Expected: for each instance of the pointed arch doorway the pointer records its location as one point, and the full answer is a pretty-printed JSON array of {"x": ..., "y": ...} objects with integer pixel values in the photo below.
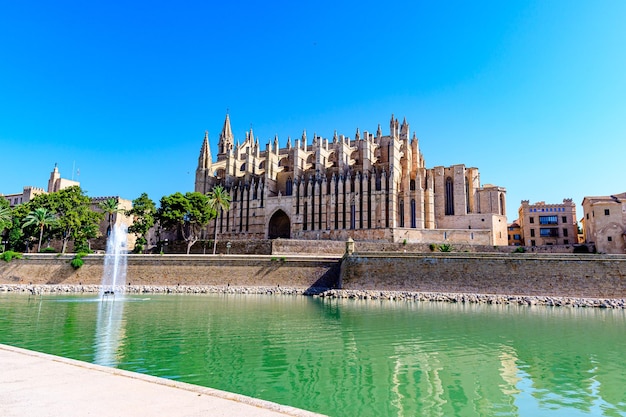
[{"x": 280, "y": 226}]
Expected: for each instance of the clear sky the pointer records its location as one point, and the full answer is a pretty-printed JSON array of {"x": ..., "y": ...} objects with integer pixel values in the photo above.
[{"x": 533, "y": 93}]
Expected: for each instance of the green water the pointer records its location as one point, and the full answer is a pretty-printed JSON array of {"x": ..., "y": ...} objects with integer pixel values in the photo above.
[{"x": 346, "y": 357}]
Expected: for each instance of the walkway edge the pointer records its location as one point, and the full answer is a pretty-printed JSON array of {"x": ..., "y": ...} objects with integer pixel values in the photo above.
[{"x": 224, "y": 395}]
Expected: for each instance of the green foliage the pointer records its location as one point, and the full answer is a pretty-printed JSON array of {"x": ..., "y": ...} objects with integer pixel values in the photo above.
[
  {"x": 188, "y": 213},
  {"x": 110, "y": 207},
  {"x": 219, "y": 201},
  {"x": 519, "y": 249},
  {"x": 433, "y": 247},
  {"x": 8, "y": 255},
  {"x": 5, "y": 216},
  {"x": 144, "y": 214},
  {"x": 75, "y": 219},
  {"x": 139, "y": 245},
  {"x": 49, "y": 249},
  {"x": 42, "y": 218},
  {"x": 77, "y": 260},
  {"x": 445, "y": 247},
  {"x": 404, "y": 242}
]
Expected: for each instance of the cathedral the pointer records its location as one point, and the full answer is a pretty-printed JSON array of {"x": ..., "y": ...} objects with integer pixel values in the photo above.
[{"x": 370, "y": 187}]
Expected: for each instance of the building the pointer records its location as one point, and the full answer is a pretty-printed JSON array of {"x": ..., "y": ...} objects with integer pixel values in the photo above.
[
  {"x": 370, "y": 187},
  {"x": 27, "y": 194},
  {"x": 56, "y": 183},
  {"x": 514, "y": 232},
  {"x": 548, "y": 224},
  {"x": 604, "y": 222}
]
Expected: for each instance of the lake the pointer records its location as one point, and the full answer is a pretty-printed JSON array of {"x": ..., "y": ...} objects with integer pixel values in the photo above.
[{"x": 345, "y": 357}]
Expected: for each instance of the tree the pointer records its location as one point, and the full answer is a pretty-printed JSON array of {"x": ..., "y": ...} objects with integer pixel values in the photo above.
[
  {"x": 188, "y": 213},
  {"x": 219, "y": 201},
  {"x": 109, "y": 207},
  {"x": 75, "y": 219},
  {"x": 144, "y": 216},
  {"x": 5, "y": 217},
  {"x": 41, "y": 218}
]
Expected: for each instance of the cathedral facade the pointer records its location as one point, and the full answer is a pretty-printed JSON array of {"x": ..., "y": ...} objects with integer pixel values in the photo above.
[{"x": 370, "y": 187}]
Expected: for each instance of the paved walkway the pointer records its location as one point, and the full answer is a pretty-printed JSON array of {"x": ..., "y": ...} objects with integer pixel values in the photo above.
[{"x": 37, "y": 384}]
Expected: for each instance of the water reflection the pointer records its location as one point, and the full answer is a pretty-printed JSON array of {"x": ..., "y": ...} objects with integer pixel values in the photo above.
[
  {"x": 348, "y": 358},
  {"x": 109, "y": 332}
]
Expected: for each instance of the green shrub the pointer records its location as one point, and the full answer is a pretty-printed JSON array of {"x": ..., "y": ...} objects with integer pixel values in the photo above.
[
  {"x": 49, "y": 249},
  {"x": 433, "y": 246},
  {"x": 9, "y": 255},
  {"x": 445, "y": 247},
  {"x": 404, "y": 242},
  {"x": 77, "y": 261},
  {"x": 519, "y": 249}
]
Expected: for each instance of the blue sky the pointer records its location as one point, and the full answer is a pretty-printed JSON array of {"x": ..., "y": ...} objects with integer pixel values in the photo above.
[{"x": 533, "y": 93}]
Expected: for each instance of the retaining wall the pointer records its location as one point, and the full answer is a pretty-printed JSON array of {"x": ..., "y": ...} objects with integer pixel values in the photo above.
[
  {"x": 235, "y": 270},
  {"x": 592, "y": 276}
]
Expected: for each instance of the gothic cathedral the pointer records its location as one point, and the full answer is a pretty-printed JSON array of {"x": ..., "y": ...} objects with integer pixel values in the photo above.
[{"x": 371, "y": 187}]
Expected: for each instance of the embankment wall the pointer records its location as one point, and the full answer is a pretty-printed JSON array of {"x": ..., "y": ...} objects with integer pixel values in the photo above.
[
  {"x": 591, "y": 276},
  {"x": 234, "y": 270}
]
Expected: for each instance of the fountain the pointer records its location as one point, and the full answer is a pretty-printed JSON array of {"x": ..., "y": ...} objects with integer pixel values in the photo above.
[{"x": 114, "y": 276}]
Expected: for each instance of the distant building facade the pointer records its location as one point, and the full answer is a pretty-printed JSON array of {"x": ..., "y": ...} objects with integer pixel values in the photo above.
[
  {"x": 55, "y": 183},
  {"x": 371, "y": 187},
  {"x": 604, "y": 222},
  {"x": 514, "y": 232},
  {"x": 548, "y": 224}
]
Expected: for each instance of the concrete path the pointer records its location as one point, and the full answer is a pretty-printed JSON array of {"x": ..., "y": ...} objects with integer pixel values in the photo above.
[{"x": 37, "y": 384}]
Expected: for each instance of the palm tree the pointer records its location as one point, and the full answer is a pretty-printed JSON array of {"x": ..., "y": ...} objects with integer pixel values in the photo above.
[
  {"x": 40, "y": 217},
  {"x": 5, "y": 218},
  {"x": 110, "y": 207},
  {"x": 219, "y": 200}
]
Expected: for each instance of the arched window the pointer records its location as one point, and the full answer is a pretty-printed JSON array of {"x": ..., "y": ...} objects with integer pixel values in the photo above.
[
  {"x": 413, "y": 214},
  {"x": 401, "y": 212},
  {"x": 449, "y": 197},
  {"x": 289, "y": 187},
  {"x": 412, "y": 185},
  {"x": 243, "y": 167}
]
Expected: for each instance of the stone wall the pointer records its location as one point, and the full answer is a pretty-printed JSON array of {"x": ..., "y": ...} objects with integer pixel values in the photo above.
[
  {"x": 234, "y": 270},
  {"x": 593, "y": 276},
  {"x": 590, "y": 276}
]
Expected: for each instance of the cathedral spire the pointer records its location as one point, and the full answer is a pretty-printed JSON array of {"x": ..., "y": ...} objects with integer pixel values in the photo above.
[
  {"x": 204, "y": 161},
  {"x": 226, "y": 142}
]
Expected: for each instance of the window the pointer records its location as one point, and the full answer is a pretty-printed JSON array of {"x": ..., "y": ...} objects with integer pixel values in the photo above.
[
  {"x": 289, "y": 186},
  {"x": 516, "y": 237},
  {"x": 565, "y": 241},
  {"x": 449, "y": 197},
  {"x": 549, "y": 232},
  {"x": 548, "y": 220},
  {"x": 563, "y": 219},
  {"x": 532, "y": 232},
  {"x": 606, "y": 212},
  {"x": 564, "y": 232},
  {"x": 532, "y": 243},
  {"x": 587, "y": 216},
  {"x": 531, "y": 219},
  {"x": 610, "y": 239}
]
